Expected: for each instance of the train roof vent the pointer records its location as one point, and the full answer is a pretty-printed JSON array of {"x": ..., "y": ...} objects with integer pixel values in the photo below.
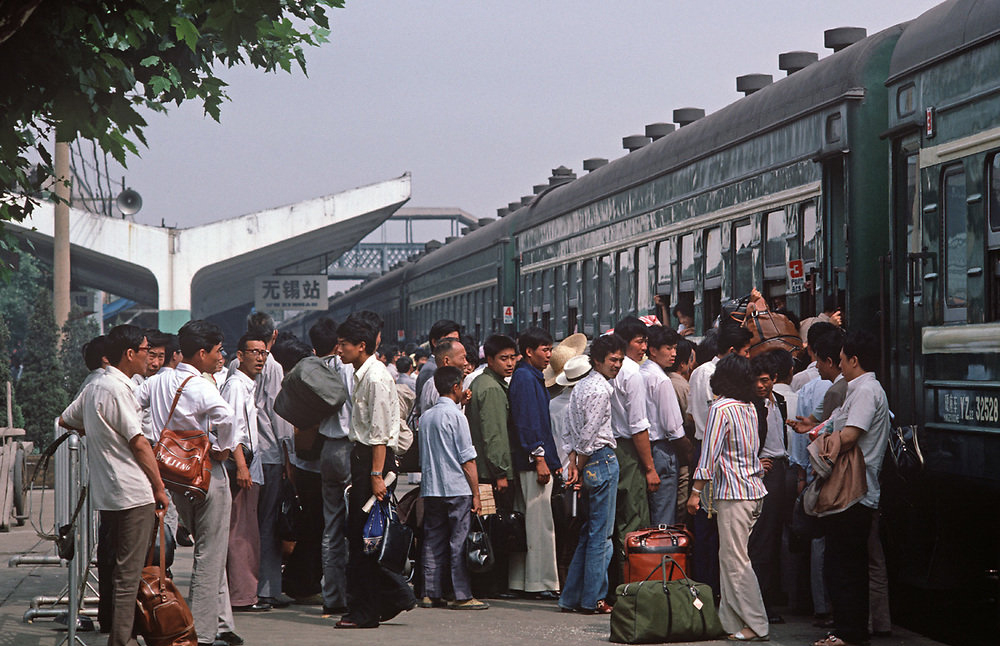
[
  {"x": 513, "y": 206},
  {"x": 538, "y": 188},
  {"x": 658, "y": 130},
  {"x": 594, "y": 163},
  {"x": 431, "y": 246},
  {"x": 634, "y": 142},
  {"x": 466, "y": 230},
  {"x": 687, "y": 116},
  {"x": 450, "y": 239},
  {"x": 561, "y": 175},
  {"x": 841, "y": 37},
  {"x": 792, "y": 62},
  {"x": 527, "y": 199},
  {"x": 750, "y": 83},
  {"x": 484, "y": 221},
  {"x": 503, "y": 212}
]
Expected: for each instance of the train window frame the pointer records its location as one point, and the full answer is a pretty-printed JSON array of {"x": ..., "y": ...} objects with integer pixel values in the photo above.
[
  {"x": 665, "y": 261},
  {"x": 643, "y": 280},
  {"x": 625, "y": 282},
  {"x": 993, "y": 203},
  {"x": 834, "y": 129},
  {"x": 588, "y": 294},
  {"x": 768, "y": 243},
  {"x": 740, "y": 253},
  {"x": 906, "y": 96},
  {"x": 713, "y": 275},
  {"x": 685, "y": 283},
  {"x": 606, "y": 292},
  {"x": 803, "y": 210},
  {"x": 954, "y": 313}
]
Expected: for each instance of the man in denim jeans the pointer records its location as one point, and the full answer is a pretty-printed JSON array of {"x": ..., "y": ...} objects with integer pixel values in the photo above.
[{"x": 593, "y": 464}]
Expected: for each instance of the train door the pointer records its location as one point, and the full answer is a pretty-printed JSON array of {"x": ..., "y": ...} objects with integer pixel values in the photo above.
[
  {"x": 910, "y": 262},
  {"x": 992, "y": 307},
  {"x": 712, "y": 296},
  {"x": 808, "y": 218}
]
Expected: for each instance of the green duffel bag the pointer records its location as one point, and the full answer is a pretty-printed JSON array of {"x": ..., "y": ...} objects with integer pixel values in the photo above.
[{"x": 657, "y": 610}]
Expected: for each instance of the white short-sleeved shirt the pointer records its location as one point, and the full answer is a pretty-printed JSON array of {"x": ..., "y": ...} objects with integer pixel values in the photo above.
[
  {"x": 701, "y": 397},
  {"x": 628, "y": 402},
  {"x": 110, "y": 415},
  {"x": 867, "y": 408},
  {"x": 662, "y": 408},
  {"x": 238, "y": 391},
  {"x": 199, "y": 407}
]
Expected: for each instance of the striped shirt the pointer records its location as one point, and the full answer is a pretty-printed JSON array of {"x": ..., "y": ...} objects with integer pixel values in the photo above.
[{"x": 729, "y": 452}]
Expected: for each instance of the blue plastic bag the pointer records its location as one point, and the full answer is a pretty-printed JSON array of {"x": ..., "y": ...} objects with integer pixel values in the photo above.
[{"x": 374, "y": 529}]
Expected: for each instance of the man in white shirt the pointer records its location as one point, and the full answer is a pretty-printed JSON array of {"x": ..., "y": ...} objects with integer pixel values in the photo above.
[
  {"x": 670, "y": 447},
  {"x": 637, "y": 474},
  {"x": 374, "y": 593},
  {"x": 200, "y": 406},
  {"x": 335, "y": 473},
  {"x": 124, "y": 481},
  {"x": 243, "y": 558},
  {"x": 448, "y": 352}
]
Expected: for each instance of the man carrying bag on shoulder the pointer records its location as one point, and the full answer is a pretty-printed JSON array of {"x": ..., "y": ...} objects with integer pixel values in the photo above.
[{"x": 200, "y": 406}]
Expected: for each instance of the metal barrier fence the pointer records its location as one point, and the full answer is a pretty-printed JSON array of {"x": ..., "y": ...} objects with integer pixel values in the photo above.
[{"x": 73, "y": 601}]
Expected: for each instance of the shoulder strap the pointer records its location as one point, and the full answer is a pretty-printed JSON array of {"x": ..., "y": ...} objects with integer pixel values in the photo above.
[{"x": 177, "y": 398}]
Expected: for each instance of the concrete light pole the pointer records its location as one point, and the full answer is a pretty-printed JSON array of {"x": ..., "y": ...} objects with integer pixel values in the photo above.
[{"x": 60, "y": 238}]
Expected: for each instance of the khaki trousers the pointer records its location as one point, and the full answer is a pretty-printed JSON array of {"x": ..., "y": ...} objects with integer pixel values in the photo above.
[
  {"x": 741, "y": 604},
  {"x": 536, "y": 570}
]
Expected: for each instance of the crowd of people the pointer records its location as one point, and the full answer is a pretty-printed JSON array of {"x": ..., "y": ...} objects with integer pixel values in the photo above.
[{"x": 586, "y": 440}]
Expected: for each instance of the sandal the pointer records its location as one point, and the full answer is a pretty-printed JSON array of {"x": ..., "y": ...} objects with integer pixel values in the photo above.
[{"x": 740, "y": 637}]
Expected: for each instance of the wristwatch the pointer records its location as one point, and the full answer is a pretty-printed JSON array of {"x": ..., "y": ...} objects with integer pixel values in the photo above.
[{"x": 376, "y": 473}]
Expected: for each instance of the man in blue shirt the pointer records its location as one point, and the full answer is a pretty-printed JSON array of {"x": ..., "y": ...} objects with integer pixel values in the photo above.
[
  {"x": 535, "y": 460},
  {"x": 450, "y": 489}
]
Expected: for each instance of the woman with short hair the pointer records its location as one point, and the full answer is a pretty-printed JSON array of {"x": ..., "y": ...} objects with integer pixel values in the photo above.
[{"x": 729, "y": 461}]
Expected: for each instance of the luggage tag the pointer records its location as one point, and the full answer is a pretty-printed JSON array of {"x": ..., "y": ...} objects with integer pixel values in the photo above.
[{"x": 697, "y": 603}]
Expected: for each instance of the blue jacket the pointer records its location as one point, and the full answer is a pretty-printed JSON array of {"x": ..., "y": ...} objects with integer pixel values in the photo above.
[{"x": 531, "y": 426}]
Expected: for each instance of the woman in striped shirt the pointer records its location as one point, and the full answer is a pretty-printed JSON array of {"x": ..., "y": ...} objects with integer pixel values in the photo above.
[{"x": 729, "y": 460}]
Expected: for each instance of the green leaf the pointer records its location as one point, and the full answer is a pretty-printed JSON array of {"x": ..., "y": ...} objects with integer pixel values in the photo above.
[{"x": 186, "y": 31}]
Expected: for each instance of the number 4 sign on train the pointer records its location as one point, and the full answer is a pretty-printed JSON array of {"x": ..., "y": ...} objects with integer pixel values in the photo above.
[
  {"x": 796, "y": 277},
  {"x": 508, "y": 314}
]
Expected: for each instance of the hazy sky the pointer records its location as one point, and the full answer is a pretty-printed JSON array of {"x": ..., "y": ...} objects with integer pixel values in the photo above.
[{"x": 479, "y": 100}]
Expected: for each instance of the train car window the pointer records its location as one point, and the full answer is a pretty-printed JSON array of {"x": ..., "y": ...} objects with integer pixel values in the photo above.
[
  {"x": 774, "y": 242},
  {"x": 834, "y": 128},
  {"x": 914, "y": 223},
  {"x": 548, "y": 285},
  {"x": 643, "y": 294},
  {"x": 605, "y": 291},
  {"x": 626, "y": 284},
  {"x": 588, "y": 296},
  {"x": 664, "y": 266},
  {"x": 906, "y": 101},
  {"x": 494, "y": 309},
  {"x": 956, "y": 248},
  {"x": 743, "y": 278},
  {"x": 687, "y": 259},
  {"x": 713, "y": 253},
  {"x": 809, "y": 229},
  {"x": 994, "y": 184},
  {"x": 559, "y": 293}
]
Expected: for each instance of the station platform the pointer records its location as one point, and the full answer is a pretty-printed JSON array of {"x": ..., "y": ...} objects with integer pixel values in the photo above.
[{"x": 506, "y": 622}]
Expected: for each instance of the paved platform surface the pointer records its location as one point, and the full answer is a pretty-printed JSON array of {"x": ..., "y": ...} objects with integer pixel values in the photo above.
[{"x": 506, "y": 623}]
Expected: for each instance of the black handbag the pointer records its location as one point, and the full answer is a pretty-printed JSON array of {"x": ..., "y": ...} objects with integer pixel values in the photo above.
[
  {"x": 397, "y": 540},
  {"x": 905, "y": 451},
  {"x": 507, "y": 532},
  {"x": 478, "y": 550},
  {"x": 289, "y": 507},
  {"x": 804, "y": 527}
]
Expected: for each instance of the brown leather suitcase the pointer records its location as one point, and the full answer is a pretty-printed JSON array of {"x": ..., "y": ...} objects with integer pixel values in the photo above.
[{"x": 645, "y": 548}]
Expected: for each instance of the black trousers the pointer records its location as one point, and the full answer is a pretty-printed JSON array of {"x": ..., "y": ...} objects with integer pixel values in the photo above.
[
  {"x": 845, "y": 569},
  {"x": 374, "y": 594},
  {"x": 765, "y": 539},
  {"x": 303, "y": 570}
]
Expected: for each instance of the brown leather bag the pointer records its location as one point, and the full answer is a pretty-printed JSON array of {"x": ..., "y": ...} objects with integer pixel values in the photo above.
[
  {"x": 162, "y": 616},
  {"x": 182, "y": 457}
]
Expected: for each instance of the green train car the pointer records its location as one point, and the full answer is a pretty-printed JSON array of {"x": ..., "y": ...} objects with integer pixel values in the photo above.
[{"x": 944, "y": 304}]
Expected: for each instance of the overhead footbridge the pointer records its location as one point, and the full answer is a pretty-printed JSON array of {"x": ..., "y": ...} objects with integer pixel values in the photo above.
[{"x": 208, "y": 269}]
